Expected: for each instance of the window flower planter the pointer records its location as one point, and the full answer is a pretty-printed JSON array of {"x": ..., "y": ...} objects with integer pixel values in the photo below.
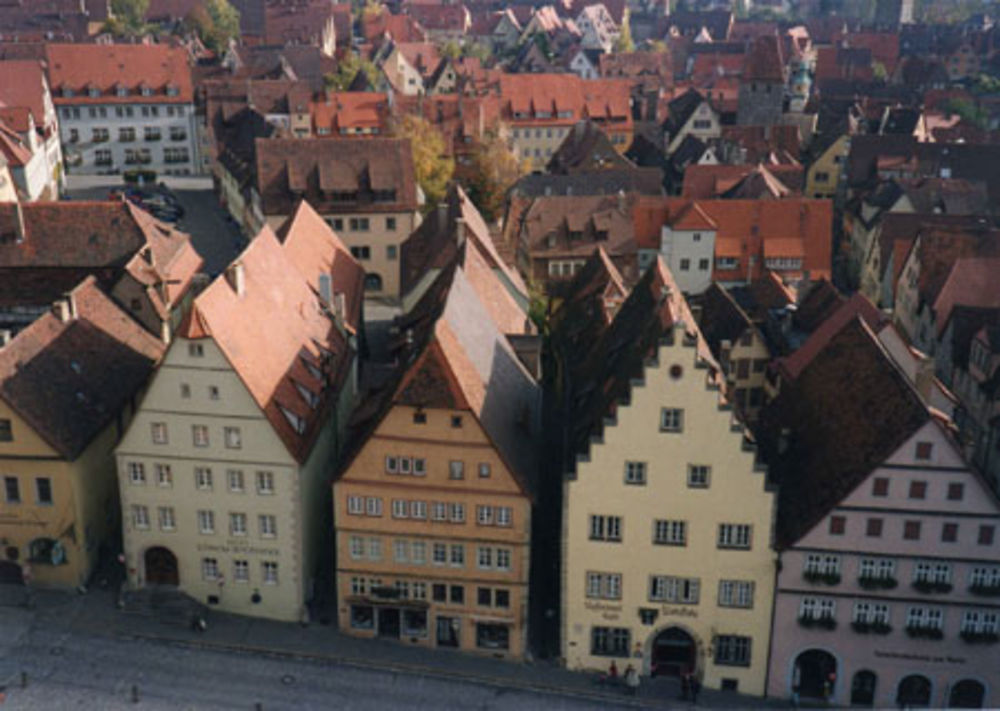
[
  {"x": 985, "y": 590},
  {"x": 929, "y": 586},
  {"x": 874, "y": 583},
  {"x": 813, "y": 576},
  {"x": 979, "y": 637},
  {"x": 826, "y": 623},
  {"x": 925, "y": 632},
  {"x": 871, "y": 627}
]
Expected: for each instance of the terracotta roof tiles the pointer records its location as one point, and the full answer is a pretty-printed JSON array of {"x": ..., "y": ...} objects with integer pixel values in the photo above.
[{"x": 79, "y": 67}]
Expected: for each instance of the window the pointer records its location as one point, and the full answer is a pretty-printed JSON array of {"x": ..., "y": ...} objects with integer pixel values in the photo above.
[
  {"x": 12, "y": 490},
  {"x": 390, "y": 225},
  {"x": 361, "y": 253},
  {"x": 439, "y": 511},
  {"x": 983, "y": 577},
  {"x": 199, "y": 434},
  {"x": 456, "y": 421},
  {"x": 125, "y": 135},
  {"x": 838, "y": 524},
  {"x": 209, "y": 569},
  {"x": 685, "y": 265},
  {"x": 736, "y": 593},
  {"x": 606, "y": 528},
  {"x": 206, "y": 521},
  {"x": 635, "y": 473},
  {"x": 419, "y": 466},
  {"x": 418, "y": 552},
  {"x": 159, "y": 432},
  {"x": 918, "y": 489},
  {"x": 140, "y": 516},
  {"x": 213, "y": 392},
  {"x": 911, "y": 530},
  {"x": 167, "y": 520},
  {"x": 456, "y": 470},
  {"x": 956, "y": 491},
  {"x": 484, "y": 515},
  {"x": 822, "y": 566},
  {"x": 391, "y": 465},
  {"x": 357, "y": 547},
  {"x": 420, "y": 418},
  {"x": 817, "y": 608},
  {"x": 232, "y": 437},
  {"x": 238, "y": 524},
  {"x": 665, "y": 588},
  {"x": 457, "y": 513},
  {"x": 151, "y": 133},
  {"x": 670, "y": 533},
  {"x": 671, "y": 420},
  {"x": 439, "y": 554},
  {"x": 703, "y": 265},
  {"x": 400, "y": 508},
  {"x": 949, "y": 532},
  {"x": 484, "y": 557},
  {"x": 484, "y": 470},
  {"x": 873, "y": 527},
  {"x": 457, "y": 558},
  {"x": 610, "y": 641},
  {"x": 699, "y": 475},
  {"x": 925, "y": 450},
  {"x": 880, "y": 487},
  {"x": 503, "y": 557},
  {"x": 235, "y": 479},
  {"x": 269, "y": 570},
  {"x": 185, "y": 391},
  {"x": 457, "y": 594},
  {"x": 43, "y": 490},
  {"x": 136, "y": 473},
  {"x": 501, "y": 598},
  {"x": 355, "y": 505},
  {"x": 985, "y": 535},
  {"x": 268, "y": 526},
  {"x": 358, "y": 224},
  {"x": 203, "y": 478},
  {"x": 241, "y": 571},
  {"x": 405, "y": 465},
  {"x": 418, "y": 509},
  {"x": 980, "y": 622},
  {"x": 374, "y": 548},
  {"x": 265, "y": 483},
  {"x": 877, "y": 568},
  {"x": 924, "y": 618},
  {"x": 401, "y": 551},
  {"x": 504, "y": 515},
  {"x": 734, "y": 535},
  {"x": 196, "y": 350}
]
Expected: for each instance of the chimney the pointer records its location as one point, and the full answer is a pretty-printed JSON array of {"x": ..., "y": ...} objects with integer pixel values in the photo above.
[
  {"x": 236, "y": 276},
  {"x": 5, "y": 337},
  {"x": 19, "y": 219},
  {"x": 61, "y": 310}
]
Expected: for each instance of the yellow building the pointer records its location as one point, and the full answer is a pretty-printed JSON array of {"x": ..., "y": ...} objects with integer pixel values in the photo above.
[
  {"x": 433, "y": 509},
  {"x": 667, "y": 523},
  {"x": 224, "y": 471},
  {"x": 823, "y": 175},
  {"x": 67, "y": 382}
]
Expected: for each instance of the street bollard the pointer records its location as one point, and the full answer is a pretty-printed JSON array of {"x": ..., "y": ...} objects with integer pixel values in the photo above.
[{"x": 135, "y": 694}]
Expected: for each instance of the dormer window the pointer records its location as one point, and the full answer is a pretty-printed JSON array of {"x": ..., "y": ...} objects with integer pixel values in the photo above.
[
  {"x": 172, "y": 90},
  {"x": 93, "y": 92},
  {"x": 310, "y": 397},
  {"x": 146, "y": 91},
  {"x": 121, "y": 91},
  {"x": 297, "y": 423},
  {"x": 67, "y": 92}
]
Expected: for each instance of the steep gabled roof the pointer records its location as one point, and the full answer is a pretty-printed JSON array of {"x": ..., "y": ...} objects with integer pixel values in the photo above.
[
  {"x": 721, "y": 318},
  {"x": 70, "y": 379},
  {"x": 830, "y": 428}
]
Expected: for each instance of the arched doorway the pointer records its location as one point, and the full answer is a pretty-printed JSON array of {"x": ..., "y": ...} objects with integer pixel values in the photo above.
[
  {"x": 673, "y": 653},
  {"x": 914, "y": 690},
  {"x": 373, "y": 282},
  {"x": 967, "y": 694},
  {"x": 161, "y": 567},
  {"x": 863, "y": 688},
  {"x": 10, "y": 573},
  {"x": 815, "y": 674}
]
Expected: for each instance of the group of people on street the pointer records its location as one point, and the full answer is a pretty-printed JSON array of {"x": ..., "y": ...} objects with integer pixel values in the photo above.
[{"x": 690, "y": 686}]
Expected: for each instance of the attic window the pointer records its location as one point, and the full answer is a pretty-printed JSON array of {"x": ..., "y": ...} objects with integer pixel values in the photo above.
[
  {"x": 93, "y": 91},
  {"x": 564, "y": 114},
  {"x": 172, "y": 90},
  {"x": 297, "y": 423},
  {"x": 67, "y": 92},
  {"x": 310, "y": 397},
  {"x": 121, "y": 91},
  {"x": 146, "y": 91},
  {"x": 196, "y": 350}
]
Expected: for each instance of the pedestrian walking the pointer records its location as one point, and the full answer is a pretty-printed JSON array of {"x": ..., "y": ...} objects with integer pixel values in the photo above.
[
  {"x": 695, "y": 688},
  {"x": 632, "y": 680},
  {"x": 613, "y": 672}
]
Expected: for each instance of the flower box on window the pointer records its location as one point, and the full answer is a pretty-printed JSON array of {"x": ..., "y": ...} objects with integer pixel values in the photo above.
[
  {"x": 925, "y": 632},
  {"x": 985, "y": 590},
  {"x": 930, "y": 586},
  {"x": 824, "y": 622},
  {"x": 815, "y": 576},
  {"x": 973, "y": 637},
  {"x": 864, "y": 627},
  {"x": 876, "y": 583}
]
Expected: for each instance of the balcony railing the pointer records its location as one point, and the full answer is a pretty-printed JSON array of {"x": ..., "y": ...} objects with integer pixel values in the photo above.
[
  {"x": 865, "y": 627},
  {"x": 931, "y": 586},
  {"x": 873, "y": 582},
  {"x": 817, "y": 576},
  {"x": 825, "y": 622},
  {"x": 925, "y": 631},
  {"x": 974, "y": 637}
]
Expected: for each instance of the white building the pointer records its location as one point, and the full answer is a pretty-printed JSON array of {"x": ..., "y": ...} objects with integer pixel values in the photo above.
[
  {"x": 125, "y": 107},
  {"x": 26, "y": 108}
]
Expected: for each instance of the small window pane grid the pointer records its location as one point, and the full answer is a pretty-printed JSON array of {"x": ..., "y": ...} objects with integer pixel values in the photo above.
[
  {"x": 734, "y": 535},
  {"x": 604, "y": 586},
  {"x": 665, "y": 588},
  {"x": 871, "y": 617},
  {"x": 415, "y": 466},
  {"x": 736, "y": 593},
  {"x": 606, "y": 528},
  {"x": 265, "y": 483},
  {"x": 635, "y": 473},
  {"x": 671, "y": 419},
  {"x": 818, "y": 612},
  {"x": 610, "y": 641},
  {"x": 699, "y": 476},
  {"x": 980, "y": 626},
  {"x": 876, "y": 573},
  {"x": 932, "y": 577},
  {"x": 985, "y": 580},
  {"x": 159, "y": 432},
  {"x": 670, "y": 533},
  {"x": 732, "y": 650},
  {"x": 136, "y": 473},
  {"x": 925, "y": 622},
  {"x": 822, "y": 568}
]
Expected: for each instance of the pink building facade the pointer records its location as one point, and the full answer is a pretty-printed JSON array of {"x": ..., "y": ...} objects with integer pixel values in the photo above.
[{"x": 893, "y": 597}]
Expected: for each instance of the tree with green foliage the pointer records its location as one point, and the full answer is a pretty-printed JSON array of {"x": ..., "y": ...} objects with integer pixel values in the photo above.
[
  {"x": 451, "y": 49},
  {"x": 623, "y": 42},
  {"x": 986, "y": 84},
  {"x": 216, "y": 22},
  {"x": 347, "y": 69},
  {"x": 127, "y": 17},
  {"x": 657, "y": 46},
  {"x": 494, "y": 170},
  {"x": 431, "y": 163},
  {"x": 476, "y": 50},
  {"x": 968, "y": 111},
  {"x": 879, "y": 72}
]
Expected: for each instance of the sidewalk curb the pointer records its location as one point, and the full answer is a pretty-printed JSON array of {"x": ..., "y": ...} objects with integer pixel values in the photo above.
[{"x": 397, "y": 667}]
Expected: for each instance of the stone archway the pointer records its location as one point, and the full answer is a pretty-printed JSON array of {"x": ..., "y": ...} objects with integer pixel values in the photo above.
[
  {"x": 673, "y": 652},
  {"x": 914, "y": 690},
  {"x": 863, "y": 688},
  {"x": 161, "y": 567},
  {"x": 373, "y": 282},
  {"x": 815, "y": 674},
  {"x": 967, "y": 694}
]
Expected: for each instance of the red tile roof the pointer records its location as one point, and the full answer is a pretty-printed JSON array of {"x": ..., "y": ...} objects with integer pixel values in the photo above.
[
  {"x": 401, "y": 28},
  {"x": 764, "y": 61},
  {"x": 22, "y": 84},
  {"x": 603, "y": 100},
  {"x": 971, "y": 282},
  {"x": 70, "y": 379},
  {"x": 350, "y": 110},
  {"x": 80, "y": 67}
]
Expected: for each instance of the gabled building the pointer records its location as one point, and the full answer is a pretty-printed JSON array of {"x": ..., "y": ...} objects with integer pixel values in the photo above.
[
  {"x": 148, "y": 267},
  {"x": 888, "y": 543},
  {"x": 68, "y": 387},
  {"x": 666, "y": 559},
  {"x": 689, "y": 115},
  {"x": 364, "y": 189},
  {"x": 762, "y": 84},
  {"x": 124, "y": 107},
  {"x": 224, "y": 472},
  {"x": 26, "y": 108},
  {"x": 433, "y": 506}
]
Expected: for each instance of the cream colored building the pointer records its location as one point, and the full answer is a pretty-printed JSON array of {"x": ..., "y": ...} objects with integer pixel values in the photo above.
[
  {"x": 224, "y": 471},
  {"x": 667, "y": 522}
]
